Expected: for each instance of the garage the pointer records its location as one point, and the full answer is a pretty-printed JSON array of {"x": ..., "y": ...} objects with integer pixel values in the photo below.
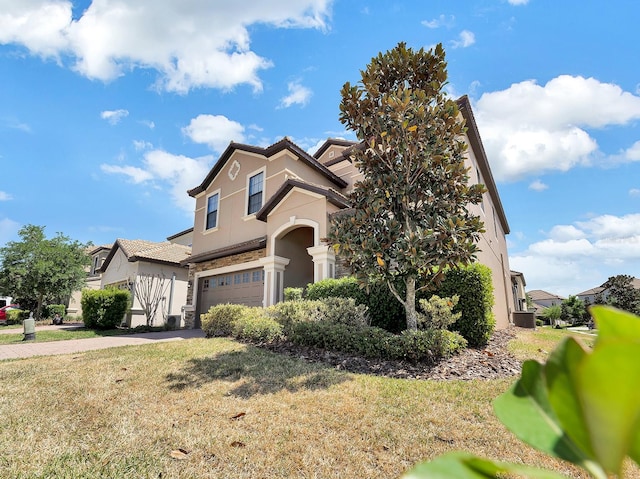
[{"x": 241, "y": 287}]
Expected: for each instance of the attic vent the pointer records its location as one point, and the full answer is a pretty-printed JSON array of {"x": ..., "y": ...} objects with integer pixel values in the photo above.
[{"x": 332, "y": 154}]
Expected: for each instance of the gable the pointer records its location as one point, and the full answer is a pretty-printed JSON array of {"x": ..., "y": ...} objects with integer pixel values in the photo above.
[{"x": 284, "y": 146}]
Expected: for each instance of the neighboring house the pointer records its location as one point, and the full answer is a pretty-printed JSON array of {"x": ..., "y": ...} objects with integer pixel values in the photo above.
[
  {"x": 97, "y": 254},
  {"x": 591, "y": 294},
  {"x": 132, "y": 262},
  {"x": 542, "y": 300},
  {"x": 184, "y": 237},
  {"x": 262, "y": 216}
]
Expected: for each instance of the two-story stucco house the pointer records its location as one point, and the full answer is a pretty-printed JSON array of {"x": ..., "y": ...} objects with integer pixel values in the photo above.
[{"x": 262, "y": 214}]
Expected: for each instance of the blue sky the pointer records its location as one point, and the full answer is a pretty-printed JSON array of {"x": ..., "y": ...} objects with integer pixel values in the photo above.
[{"x": 111, "y": 109}]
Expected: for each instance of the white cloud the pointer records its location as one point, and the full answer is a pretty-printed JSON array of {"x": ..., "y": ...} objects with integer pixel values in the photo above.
[
  {"x": 140, "y": 145},
  {"x": 466, "y": 39},
  {"x": 634, "y": 192},
  {"x": 441, "y": 21},
  {"x": 8, "y": 230},
  {"x": 298, "y": 95},
  {"x": 216, "y": 131},
  {"x": 518, "y": 2},
  {"x": 137, "y": 175},
  {"x": 114, "y": 116},
  {"x": 528, "y": 129},
  {"x": 199, "y": 44},
  {"x": 148, "y": 123},
  {"x": 538, "y": 185},
  {"x": 580, "y": 256},
  {"x": 180, "y": 173},
  {"x": 5, "y": 196}
]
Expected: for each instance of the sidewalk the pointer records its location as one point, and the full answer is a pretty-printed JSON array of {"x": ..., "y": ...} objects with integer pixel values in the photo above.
[{"x": 30, "y": 348}]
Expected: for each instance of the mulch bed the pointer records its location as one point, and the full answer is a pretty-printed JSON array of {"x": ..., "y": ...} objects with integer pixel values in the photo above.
[{"x": 491, "y": 362}]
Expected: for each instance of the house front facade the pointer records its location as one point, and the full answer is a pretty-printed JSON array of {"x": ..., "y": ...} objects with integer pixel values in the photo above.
[
  {"x": 139, "y": 265},
  {"x": 262, "y": 216}
]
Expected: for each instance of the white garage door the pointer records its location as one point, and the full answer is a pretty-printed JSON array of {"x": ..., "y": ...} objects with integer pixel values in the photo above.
[{"x": 242, "y": 287}]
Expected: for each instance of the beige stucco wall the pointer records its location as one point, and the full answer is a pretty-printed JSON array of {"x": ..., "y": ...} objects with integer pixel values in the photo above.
[
  {"x": 234, "y": 225},
  {"x": 493, "y": 248},
  {"x": 121, "y": 270}
]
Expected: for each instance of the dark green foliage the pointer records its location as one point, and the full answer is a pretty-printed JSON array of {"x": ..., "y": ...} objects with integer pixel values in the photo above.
[
  {"x": 104, "y": 308},
  {"x": 620, "y": 292},
  {"x": 37, "y": 270},
  {"x": 409, "y": 217},
  {"x": 370, "y": 342},
  {"x": 385, "y": 311},
  {"x": 472, "y": 283},
  {"x": 50, "y": 310},
  {"x": 539, "y": 322}
]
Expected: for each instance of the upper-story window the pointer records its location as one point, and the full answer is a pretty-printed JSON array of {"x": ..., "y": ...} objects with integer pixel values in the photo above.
[
  {"x": 212, "y": 210},
  {"x": 256, "y": 185}
]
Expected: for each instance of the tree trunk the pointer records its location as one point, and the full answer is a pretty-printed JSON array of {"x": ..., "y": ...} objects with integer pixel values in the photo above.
[
  {"x": 410, "y": 305},
  {"x": 39, "y": 306}
]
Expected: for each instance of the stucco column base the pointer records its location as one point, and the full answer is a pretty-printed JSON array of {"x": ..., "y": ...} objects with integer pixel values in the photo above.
[
  {"x": 324, "y": 262},
  {"x": 274, "y": 267}
]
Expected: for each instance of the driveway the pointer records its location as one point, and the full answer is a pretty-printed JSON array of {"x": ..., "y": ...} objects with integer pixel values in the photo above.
[{"x": 28, "y": 349}]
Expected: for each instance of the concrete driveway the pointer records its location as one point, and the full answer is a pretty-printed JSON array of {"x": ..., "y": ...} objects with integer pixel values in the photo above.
[{"x": 28, "y": 349}]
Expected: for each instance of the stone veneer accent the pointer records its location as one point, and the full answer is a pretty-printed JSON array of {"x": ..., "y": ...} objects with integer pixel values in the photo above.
[{"x": 189, "y": 316}]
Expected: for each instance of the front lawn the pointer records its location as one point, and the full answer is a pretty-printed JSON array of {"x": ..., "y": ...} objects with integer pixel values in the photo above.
[
  {"x": 212, "y": 408},
  {"x": 45, "y": 335}
]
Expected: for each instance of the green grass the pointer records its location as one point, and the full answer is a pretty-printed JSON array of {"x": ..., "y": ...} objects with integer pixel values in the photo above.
[
  {"x": 538, "y": 343},
  {"x": 62, "y": 335}
]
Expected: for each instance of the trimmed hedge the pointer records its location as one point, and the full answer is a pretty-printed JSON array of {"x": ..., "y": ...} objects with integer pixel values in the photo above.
[
  {"x": 472, "y": 283},
  {"x": 371, "y": 342},
  {"x": 16, "y": 316},
  {"x": 242, "y": 322},
  {"x": 104, "y": 308}
]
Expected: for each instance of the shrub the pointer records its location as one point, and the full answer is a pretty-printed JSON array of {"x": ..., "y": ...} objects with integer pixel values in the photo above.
[
  {"x": 16, "y": 316},
  {"x": 289, "y": 313},
  {"x": 539, "y": 322},
  {"x": 372, "y": 342},
  {"x": 292, "y": 294},
  {"x": 472, "y": 283},
  {"x": 104, "y": 308},
  {"x": 385, "y": 311},
  {"x": 218, "y": 321},
  {"x": 343, "y": 311},
  {"x": 427, "y": 346},
  {"x": 438, "y": 312},
  {"x": 254, "y": 324}
]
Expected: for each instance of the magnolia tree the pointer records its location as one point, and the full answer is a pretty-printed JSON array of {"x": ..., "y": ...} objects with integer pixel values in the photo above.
[{"x": 409, "y": 218}]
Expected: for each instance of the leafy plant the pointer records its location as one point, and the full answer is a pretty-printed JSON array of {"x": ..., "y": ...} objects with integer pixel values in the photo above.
[
  {"x": 581, "y": 406},
  {"x": 104, "y": 308},
  {"x": 438, "y": 312}
]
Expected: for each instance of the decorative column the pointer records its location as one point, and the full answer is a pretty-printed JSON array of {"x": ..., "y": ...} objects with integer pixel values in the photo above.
[
  {"x": 274, "y": 267},
  {"x": 324, "y": 262}
]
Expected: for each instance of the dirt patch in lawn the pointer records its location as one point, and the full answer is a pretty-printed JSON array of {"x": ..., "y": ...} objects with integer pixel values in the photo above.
[{"x": 490, "y": 362}]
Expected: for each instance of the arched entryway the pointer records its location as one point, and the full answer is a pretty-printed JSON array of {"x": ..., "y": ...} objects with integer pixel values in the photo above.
[{"x": 293, "y": 245}]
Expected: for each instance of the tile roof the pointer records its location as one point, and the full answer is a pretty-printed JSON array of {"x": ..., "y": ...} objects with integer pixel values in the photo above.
[
  {"x": 150, "y": 251},
  {"x": 540, "y": 295}
]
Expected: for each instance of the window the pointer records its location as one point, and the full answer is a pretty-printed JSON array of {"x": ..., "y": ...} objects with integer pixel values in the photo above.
[
  {"x": 255, "y": 193},
  {"x": 212, "y": 211},
  {"x": 205, "y": 285}
]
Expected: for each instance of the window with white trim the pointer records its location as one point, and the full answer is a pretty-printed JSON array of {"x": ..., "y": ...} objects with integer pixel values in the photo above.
[
  {"x": 256, "y": 185},
  {"x": 212, "y": 211}
]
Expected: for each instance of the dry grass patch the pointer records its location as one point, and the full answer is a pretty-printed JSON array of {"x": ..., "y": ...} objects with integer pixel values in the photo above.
[
  {"x": 216, "y": 408},
  {"x": 538, "y": 343}
]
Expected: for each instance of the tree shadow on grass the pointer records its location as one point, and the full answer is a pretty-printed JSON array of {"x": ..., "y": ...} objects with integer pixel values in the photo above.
[{"x": 258, "y": 371}]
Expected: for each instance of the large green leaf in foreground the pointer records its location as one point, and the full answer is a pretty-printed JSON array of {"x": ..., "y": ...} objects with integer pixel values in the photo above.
[{"x": 581, "y": 406}]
